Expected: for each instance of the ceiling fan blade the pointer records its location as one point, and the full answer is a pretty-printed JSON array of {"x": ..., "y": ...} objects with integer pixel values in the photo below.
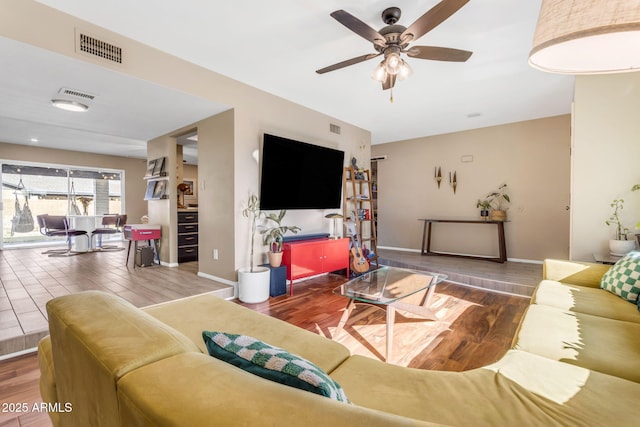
[
  {"x": 358, "y": 27},
  {"x": 439, "y": 53},
  {"x": 389, "y": 82},
  {"x": 431, "y": 19},
  {"x": 347, "y": 63}
]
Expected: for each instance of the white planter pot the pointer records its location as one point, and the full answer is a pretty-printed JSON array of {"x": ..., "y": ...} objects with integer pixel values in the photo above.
[
  {"x": 621, "y": 247},
  {"x": 253, "y": 286}
]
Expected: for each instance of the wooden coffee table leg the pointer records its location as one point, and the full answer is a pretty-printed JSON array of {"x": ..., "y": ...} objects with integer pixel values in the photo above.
[
  {"x": 345, "y": 315},
  {"x": 391, "y": 318}
]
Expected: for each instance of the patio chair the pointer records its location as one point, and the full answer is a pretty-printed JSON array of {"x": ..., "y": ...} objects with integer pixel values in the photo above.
[
  {"x": 111, "y": 224},
  {"x": 58, "y": 226}
]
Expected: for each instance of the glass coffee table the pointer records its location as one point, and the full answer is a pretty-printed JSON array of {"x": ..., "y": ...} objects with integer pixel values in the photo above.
[{"x": 391, "y": 288}]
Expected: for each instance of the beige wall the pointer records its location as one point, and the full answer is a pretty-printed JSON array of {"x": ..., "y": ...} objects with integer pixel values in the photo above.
[
  {"x": 532, "y": 157},
  {"x": 216, "y": 216},
  {"x": 258, "y": 112},
  {"x": 606, "y": 149},
  {"x": 134, "y": 170}
]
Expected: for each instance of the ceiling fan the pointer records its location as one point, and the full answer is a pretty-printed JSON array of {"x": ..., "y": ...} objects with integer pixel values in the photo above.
[{"x": 394, "y": 39}]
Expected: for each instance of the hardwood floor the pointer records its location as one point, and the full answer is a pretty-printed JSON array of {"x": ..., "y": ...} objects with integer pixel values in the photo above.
[
  {"x": 19, "y": 387},
  {"x": 475, "y": 328}
]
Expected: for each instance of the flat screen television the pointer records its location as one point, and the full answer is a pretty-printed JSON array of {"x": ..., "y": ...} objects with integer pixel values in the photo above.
[{"x": 297, "y": 175}]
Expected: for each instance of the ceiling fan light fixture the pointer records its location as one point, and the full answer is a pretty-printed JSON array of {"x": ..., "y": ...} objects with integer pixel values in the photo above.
[
  {"x": 587, "y": 37},
  {"x": 67, "y": 105}
]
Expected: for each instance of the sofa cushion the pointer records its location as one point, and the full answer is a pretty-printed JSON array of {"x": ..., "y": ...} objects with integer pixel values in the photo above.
[
  {"x": 272, "y": 363},
  {"x": 623, "y": 279},
  {"x": 520, "y": 389},
  {"x": 594, "y": 301},
  {"x": 193, "y": 315},
  {"x": 604, "y": 345}
]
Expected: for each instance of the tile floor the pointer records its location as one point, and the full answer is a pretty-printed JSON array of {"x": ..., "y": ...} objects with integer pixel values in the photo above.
[{"x": 29, "y": 279}]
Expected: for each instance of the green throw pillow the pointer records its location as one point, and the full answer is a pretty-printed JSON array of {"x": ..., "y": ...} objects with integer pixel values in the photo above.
[
  {"x": 272, "y": 363},
  {"x": 623, "y": 279}
]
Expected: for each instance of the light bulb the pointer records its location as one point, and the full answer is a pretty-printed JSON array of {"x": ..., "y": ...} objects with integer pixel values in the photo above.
[
  {"x": 392, "y": 63},
  {"x": 404, "y": 71},
  {"x": 379, "y": 73}
]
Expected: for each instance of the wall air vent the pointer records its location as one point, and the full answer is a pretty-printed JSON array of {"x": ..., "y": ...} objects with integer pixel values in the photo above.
[
  {"x": 76, "y": 94},
  {"x": 99, "y": 48},
  {"x": 334, "y": 128},
  {"x": 378, "y": 158}
]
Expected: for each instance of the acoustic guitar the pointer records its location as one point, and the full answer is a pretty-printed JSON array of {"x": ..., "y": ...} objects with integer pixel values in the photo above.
[{"x": 359, "y": 263}]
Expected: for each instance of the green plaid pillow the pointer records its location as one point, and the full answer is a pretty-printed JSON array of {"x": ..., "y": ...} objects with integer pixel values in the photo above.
[
  {"x": 623, "y": 279},
  {"x": 272, "y": 363}
]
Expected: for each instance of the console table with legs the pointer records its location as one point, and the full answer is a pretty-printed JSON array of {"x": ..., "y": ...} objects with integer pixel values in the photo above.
[{"x": 426, "y": 238}]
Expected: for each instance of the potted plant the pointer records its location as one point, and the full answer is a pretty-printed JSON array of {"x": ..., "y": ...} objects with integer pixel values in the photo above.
[
  {"x": 498, "y": 201},
  {"x": 620, "y": 245},
  {"x": 484, "y": 206},
  {"x": 253, "y": 282},
  {"x": 273, "y": 236}
]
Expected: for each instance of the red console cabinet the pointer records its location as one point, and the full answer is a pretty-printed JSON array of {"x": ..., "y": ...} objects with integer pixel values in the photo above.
[{"x": 306, "y": 258}]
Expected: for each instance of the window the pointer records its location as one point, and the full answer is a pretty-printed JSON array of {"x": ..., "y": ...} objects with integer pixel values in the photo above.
[{"x": 55, "y": 190}]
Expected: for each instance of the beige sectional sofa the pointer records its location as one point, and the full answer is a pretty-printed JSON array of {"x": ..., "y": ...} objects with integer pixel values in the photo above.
[{"x": 573, "y": 363}]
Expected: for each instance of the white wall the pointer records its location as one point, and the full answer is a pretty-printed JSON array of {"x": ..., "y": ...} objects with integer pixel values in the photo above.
[{"x": 606, "y": 151}]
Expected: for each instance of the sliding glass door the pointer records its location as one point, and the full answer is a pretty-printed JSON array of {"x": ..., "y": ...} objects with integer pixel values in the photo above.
[{"x": 29, "y": 190}]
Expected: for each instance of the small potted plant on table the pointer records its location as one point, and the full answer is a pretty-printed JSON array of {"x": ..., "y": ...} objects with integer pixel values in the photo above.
[
  {"x": 620, "y": 245},
  {"x": 485, "y": 207},
  {"x": 498, "y": 201},
  {"x": 273, "y": 236}
]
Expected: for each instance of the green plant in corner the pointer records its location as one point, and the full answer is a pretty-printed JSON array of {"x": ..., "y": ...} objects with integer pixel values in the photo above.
[
  {"x": 273, "y": 236},
  {"x": 253, "y": 212},
  {"x": 614, "y": 219}
]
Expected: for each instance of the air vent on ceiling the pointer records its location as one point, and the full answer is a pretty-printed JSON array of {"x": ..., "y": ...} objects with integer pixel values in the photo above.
[
  {"x": 100, "y": 48},
  {"x": 334, "y": 128},
  {"x": 76, "y": 93}
]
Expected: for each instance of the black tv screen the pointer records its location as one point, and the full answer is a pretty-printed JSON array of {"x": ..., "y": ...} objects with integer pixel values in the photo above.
[{"x": 297, "y": 175}]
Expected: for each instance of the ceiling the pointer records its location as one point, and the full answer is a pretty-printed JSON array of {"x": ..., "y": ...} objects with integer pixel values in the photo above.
[{"x": 277, "y": 46}]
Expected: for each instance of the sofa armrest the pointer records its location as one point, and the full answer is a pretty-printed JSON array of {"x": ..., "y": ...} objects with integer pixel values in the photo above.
[
  {"x": 48, "y": 390},
  {"x": 194, "y": 389},
  {"x": 574, "y": 272}
]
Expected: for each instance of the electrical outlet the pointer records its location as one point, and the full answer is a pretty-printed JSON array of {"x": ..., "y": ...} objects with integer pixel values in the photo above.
[{"x": 215, "y": 254}]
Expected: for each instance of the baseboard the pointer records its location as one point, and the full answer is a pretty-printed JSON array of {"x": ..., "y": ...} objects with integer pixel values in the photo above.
[
  {"x": 391, "y": 248},
  {"x": 231, "y": 283},
  {"x": 18, "y": 353},
  {"x": 169, "y": 264}
]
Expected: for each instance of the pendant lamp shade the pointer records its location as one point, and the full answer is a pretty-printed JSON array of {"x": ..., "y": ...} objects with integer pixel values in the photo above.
[{"x": 587, "y": 37}]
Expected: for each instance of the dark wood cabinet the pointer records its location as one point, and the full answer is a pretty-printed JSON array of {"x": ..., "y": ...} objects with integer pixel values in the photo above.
[{"x": 187, "y": 236}]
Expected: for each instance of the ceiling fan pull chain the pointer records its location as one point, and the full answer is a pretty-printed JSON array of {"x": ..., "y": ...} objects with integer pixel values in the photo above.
[{"x": 391, "y": 96}]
